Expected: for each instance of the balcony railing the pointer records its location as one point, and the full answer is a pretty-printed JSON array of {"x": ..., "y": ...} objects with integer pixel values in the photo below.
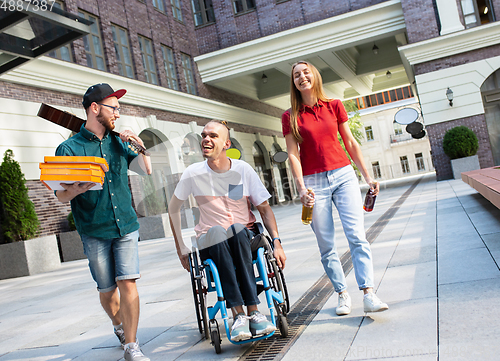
[
  {"x": 397, "y": 170},
  {"x": 403, "y": 138}
]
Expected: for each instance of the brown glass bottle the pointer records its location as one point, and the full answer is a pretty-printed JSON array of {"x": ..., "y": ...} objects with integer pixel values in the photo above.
[
  {"x": 307, "y": 212},
  {"x": 369, "y": 201}
]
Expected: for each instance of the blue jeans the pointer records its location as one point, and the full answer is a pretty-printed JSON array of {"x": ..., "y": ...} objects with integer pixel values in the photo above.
[
  {"x": 340, "y": 187},
  {"x": 112, "y": 260},
  {"x": 231, "y": 252}
]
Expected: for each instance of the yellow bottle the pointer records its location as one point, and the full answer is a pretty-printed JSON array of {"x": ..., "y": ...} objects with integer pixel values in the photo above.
[{"x": 307, "y": 212}]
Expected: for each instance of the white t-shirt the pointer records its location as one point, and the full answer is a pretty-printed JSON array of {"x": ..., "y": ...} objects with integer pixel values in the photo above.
[{"x": 223, "y": 198}]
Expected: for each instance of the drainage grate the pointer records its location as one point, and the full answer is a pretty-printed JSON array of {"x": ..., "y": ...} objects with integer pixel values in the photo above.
[{"x": 307, "y": 307}]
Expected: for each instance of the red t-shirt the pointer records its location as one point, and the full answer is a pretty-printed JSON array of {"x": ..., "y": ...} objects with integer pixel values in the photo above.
[{"x": 320, "y": 150}]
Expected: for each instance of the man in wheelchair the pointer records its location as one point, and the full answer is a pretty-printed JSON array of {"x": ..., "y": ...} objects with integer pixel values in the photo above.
[{"x": 223, "y": 189}]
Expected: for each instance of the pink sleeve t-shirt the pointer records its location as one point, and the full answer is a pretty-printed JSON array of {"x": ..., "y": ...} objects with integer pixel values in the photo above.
[
  {"x": 223, "y": 198},
  {"x": 320, "y": 150}
]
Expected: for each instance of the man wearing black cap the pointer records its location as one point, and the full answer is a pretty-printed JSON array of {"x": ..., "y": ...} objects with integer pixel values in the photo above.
[{"x": 105, "y": 219}]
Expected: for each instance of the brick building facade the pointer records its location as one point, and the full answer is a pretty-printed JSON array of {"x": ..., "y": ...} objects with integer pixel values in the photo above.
[{"x": 231, "y": 61}]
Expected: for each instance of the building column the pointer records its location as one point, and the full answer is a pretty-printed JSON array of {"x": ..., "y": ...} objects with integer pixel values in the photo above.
[{"x": 448, "y": 16}]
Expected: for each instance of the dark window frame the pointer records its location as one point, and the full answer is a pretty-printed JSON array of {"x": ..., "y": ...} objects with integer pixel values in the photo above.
[
  {"x": 244, "y": 7},
  {"x": 206, "y": 10},
  {"x": 405, "y": 164},
  {"x": 169, "y": 66},
  {"x": 93, "y": 55},
  {"x": 148, "y": 59},
  {"x": 478, "y": 13},
  {"x": 159, "y": 5},
  {"x": 177, "y": 10},
  {"x": 369, "y": 133},
  {"x": 57, "y": 54},
  {"x": 119, "y": 48},
  {"x": 377, "y": 173},
  {"x": 188, "y": 73}
]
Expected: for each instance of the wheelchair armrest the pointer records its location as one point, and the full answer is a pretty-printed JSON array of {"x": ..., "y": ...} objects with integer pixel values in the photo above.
[{"x": 258, "y": 228}]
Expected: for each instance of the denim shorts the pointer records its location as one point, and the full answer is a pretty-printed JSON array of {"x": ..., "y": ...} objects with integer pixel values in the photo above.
[{"x": 112, "y": 260}]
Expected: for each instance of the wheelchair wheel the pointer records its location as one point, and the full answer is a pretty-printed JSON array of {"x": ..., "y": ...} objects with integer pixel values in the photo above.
[
  {"x": 199, "y": 294},
  {"x": 283, "y": 326},
  {"x": 216, "y": 340},
  {"x": 277, "y": 281}
]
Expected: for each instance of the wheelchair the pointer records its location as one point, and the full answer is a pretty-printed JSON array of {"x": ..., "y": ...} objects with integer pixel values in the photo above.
[{"x": 270, "y": 280}]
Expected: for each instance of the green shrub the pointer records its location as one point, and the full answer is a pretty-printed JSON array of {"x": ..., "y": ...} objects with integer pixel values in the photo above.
[
  {"x": 17, "y": 212},
  {"x": 460, "y": 142},
  {"x": 71, "y": 222}
]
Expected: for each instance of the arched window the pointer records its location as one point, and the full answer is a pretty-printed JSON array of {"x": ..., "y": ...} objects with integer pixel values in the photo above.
[
  {"x": 191, "y": 149},
  {"x": 151, "y": 193}
]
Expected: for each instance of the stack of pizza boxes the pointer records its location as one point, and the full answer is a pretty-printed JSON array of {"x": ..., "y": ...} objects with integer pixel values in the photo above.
[{"x": 69, "y": 169}]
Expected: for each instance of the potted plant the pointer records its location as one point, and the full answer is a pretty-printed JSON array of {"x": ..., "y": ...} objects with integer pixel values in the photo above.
[
  {"x": 21, "y": 254},
  {"x": 461, "y": 145},
  {"x": 70, "y": 242}
]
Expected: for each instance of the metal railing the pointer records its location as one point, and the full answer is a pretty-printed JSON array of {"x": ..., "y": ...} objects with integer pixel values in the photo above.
[
  {"x": 392, "y": 171},
  {"x": 403, "y": 138}
]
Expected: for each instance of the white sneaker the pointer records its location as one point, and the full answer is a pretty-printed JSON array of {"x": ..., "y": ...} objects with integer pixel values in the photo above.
[
  {"x": 259, "y": 325},
  {"x": 373, "y": 304},
  {"x": 344, "y": 307},
  {"x": 133, "y": 353},
  {"x": 241, "y": 329}
]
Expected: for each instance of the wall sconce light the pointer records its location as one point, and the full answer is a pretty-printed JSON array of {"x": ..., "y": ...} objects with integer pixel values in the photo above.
[
  {"x": 264, "y": 78},
  {"x": 449, "y": 95},
  {"x": 388, "y": 74},
  {"x": 375, "y": 49}
]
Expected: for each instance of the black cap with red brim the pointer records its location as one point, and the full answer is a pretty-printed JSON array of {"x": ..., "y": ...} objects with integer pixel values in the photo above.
[{"x": 99, "y": 92}]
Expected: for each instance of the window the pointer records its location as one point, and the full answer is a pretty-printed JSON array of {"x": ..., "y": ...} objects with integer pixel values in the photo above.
[
  {"x": 203, "y": 12},
  {"x": 169, "y": 64},
  {"x": 176, "y": 9},
  {"x": 188, "y": 74},
  {"x": 64, "y": 52},
  {"x": 93, "y": 43},
  {"x": 420, "y": 161},
  {"x": 405, "y": 166},
  {"x": 148, "y": 61},
  {"x": 241, "y": 6},
  {"x": 369, "y": 133},
  {"x": 376, "y": 170},
  {"x": 477, "y": 12},
  {"x": 398, "y": 130},
  {"x": 122, "y": 51},
  {"x": 158, "y": 4}
]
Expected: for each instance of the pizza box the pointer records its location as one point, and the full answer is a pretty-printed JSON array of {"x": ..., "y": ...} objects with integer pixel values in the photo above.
[
  {"x": 85, "y": 166},
  {"x": 78, "y": 159},
  {"x": 53, "y": 182},
  {"x": 66, "y": 171}
]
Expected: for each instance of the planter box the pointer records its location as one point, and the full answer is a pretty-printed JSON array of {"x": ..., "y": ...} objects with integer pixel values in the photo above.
[
  {"x": 30, "y": 257},
  {"x": 466, "y": 164},
  {"x": 71, "y": 246}
]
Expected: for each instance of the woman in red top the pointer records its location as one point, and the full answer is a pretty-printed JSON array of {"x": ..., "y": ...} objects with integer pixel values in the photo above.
[{"x": 318, "y": 161}]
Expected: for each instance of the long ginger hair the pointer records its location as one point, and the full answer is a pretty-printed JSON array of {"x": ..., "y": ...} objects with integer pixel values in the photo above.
[{"x": 296, "y": 97}]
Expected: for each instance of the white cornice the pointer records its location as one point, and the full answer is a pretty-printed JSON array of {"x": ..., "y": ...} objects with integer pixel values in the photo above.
[
  {"x": 61, "y": 76},
  {"x": 452, "y": 44},
  {"x": 329, "y": 34}
]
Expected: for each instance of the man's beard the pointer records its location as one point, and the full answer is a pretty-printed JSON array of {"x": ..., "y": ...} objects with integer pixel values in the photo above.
[{"x": 106, "y": 122}]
